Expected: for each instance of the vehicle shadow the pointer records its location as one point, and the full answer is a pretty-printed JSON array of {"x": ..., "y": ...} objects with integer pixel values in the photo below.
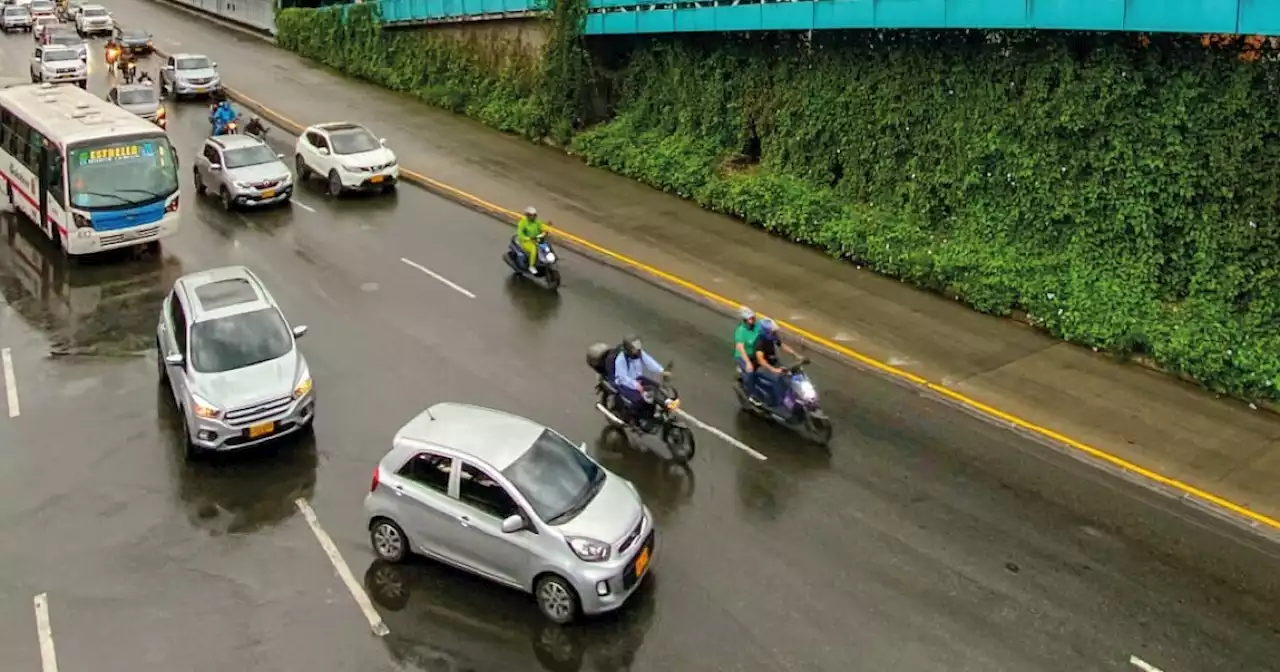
[
  {"x": 665, "y": 485},
  {"x": 537, "y": 304},
  {"x": 442, "y": 618},
  {"x": 241, "y": 492}
]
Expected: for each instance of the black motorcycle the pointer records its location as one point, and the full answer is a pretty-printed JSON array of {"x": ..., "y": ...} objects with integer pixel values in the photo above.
[
  {"x": 664, "y": 400},
  {"x": 547, "y": 271},
  {"x": 256, "y": 128}
]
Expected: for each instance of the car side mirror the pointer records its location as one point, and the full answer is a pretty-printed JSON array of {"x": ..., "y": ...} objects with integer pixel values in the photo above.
[
  {"x": 300, "y": 331},
  {"x": 214, "y": 64},
  {"x": 382, "y": 141},
  {"x": 512, "y": 524},
  {"x": 324, "y": 151},
  {"x": 215, "y": 166},
  {"x": 583, "y": 447},
  {"x": 279, "y": 156},
  {"x": 174, "y": 360}
]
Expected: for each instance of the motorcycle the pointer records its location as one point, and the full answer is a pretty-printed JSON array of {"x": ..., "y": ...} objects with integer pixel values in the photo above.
[
  {"x": 799, "y": 408},
  {"x": 256, "y": 128},
  {"x": 128, "y": 70},
  {"x": 111, "y": 56},
  {"x": 665, "y": 422},
  {"x": 547, "y": 271}
]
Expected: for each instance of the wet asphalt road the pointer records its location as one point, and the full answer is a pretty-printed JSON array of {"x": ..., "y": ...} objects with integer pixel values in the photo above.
[{"x": 925, "y": 540}]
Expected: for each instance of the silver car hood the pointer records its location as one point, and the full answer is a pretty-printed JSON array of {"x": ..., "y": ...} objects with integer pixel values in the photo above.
[
  {"x": 253, "y": 384},
  {"x": 196, "y": 73},
  {"x": 272, "y": 170},
  {"x": 610, "y": 516},
  {"x": 142, "y": 109}
]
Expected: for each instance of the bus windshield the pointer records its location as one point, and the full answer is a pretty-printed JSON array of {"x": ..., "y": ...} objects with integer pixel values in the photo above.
[{"x": 117, "y": 174}]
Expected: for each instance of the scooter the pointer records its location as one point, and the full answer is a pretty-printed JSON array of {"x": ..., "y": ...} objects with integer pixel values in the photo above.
[
  {"x": 665, "y": 422},
  {"x": 546, "y": 270},
  {"x": 799, "y": 408}
]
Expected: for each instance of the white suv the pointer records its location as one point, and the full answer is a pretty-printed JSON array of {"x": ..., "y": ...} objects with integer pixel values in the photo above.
[
  {"x": 57, "y": 64},
  {"x": 94, "y": 20},
  {"x": 349, "y": 156}
]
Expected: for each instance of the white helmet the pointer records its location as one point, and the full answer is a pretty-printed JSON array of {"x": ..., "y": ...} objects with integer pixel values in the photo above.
[{"x": 531, "y": 212}]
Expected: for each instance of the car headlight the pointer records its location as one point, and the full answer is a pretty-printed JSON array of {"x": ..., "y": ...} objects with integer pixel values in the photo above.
[
  {"x": 304, "y": 386},
  {"x": 204, "y": 409},
  {"x": 241, "y": 185},
  {"x": 591, "y": 550},
  {"x": 351, "y": 169}
]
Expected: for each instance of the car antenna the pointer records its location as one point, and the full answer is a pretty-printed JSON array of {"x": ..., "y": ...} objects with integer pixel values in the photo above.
[{"x": 433, "y": 418}]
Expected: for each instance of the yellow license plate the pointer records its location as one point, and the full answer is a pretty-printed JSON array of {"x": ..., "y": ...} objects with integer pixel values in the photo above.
[
  {"x": 270, "y": 193},
  {"x": 262, "y": 429},
  {"x": 642, "y": 562},
  {"x": 375, "y": 179}
]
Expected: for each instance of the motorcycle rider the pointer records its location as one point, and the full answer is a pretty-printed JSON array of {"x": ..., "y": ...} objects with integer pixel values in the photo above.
[
  {"x": 629, "y": 367},
  {"x": 255, "y": 127},
  {"x": 744, "y": 344},
  {"x": 111, "y": 53},
  {"x": 769, "y": 376},
  {"x": 128, "y": 66},
  {"x": 527, "y": 231},
  {"x": 222, "y": 115}
]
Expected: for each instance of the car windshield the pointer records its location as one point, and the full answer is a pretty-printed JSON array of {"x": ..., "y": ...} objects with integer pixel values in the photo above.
[
  {"x": 196, "y": 63},
  {"x": 134, "y": 35},
  {"x": 41, "y": 7},
  {"x": 557, "y": 479},
  {"x": 353, "y": 141},
  {"x": 47, "y": 21},
  {"x": 250, "y": 156},
  {"x": 61, "y": 55},
  {"x": 63, "y": 38},
  {"x": 96, "y": 11},
  {"x": 236, "y": 341},
  {"x": 120, "y": 174},
  {"x": 139, "y": 96},
  {"x": 15, "y": 11}
]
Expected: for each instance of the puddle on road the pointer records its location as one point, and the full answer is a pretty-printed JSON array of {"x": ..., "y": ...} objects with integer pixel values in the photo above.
[{"x": 104, "y": 306}]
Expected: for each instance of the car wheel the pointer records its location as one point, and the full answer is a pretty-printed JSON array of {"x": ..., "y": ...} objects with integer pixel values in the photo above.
[
  {"x": 388, "y": 541},
  {"x": 557, "y": 600},
  {"x": 162, "y": 370},
  {"x": 227, "y": 203},
  {"x": 300, "y": 166},
  {"x": 190, "y": 450},
  {"x": 389, "y": 188},
  {"x": 335, "y": 184},
  {"x": 201, "y": 190}
]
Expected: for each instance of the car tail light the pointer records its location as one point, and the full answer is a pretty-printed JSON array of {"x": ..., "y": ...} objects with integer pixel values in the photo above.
[{"x": 374, "y": 485}]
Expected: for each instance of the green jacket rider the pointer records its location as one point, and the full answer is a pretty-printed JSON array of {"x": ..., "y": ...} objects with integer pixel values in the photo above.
[{"x": 527, "y": 231}]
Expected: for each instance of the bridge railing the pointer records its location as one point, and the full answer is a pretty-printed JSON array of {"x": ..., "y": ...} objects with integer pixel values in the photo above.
[{"x": 402, "y": 11}]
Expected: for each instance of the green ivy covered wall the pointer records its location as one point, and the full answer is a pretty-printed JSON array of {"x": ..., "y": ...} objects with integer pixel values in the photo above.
[{"x": 1123, "y": 192}]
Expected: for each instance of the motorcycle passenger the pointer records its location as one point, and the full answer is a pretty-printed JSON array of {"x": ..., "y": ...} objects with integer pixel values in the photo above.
[
  {"x": 744, "y": 344},
  {"x": 769, "y": 376},
  {"x": 527, "y": 231},
  {"x": 223, "y": 114},
  {"x": 629, "y": 368}
]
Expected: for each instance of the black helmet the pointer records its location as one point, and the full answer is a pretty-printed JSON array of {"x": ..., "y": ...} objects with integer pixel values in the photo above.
[{"x": 631, "y": 347}]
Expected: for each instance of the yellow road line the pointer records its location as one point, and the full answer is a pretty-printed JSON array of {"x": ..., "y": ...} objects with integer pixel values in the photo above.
[{"x": 958, "y": 397}]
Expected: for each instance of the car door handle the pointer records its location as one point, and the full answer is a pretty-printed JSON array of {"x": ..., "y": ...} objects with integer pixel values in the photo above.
[
  {"x": 398, "y": 489},
  {"x": 464, "y": 521}
]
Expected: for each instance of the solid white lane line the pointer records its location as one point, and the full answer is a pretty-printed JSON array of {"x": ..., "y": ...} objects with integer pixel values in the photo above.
[
  {"x": 344, "y": 572},
  {"x": 459, "y": 288},
  {"x": 48, "y": 657},
  {"x": 10, "y": 382},
  {"x": 1142, "y": 664},
  {"x": 723, "y": 436},
  {"x": 304, "y": 206}
]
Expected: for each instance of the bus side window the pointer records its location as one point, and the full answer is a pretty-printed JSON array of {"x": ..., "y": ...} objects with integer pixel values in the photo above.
[
  {"x": 34, "y": 146},
  {"x": 17, "y": 144},
  {"x": 6, "y": 127}
]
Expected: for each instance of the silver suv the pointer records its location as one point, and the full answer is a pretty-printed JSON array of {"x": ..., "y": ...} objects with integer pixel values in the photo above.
[
  {"x": 514, "y": 502},
  {"x": 56, "y": 64},
  {"x": 232, "y": 362},
  {"x": 189, "y": 75},
  {"x": 16, "y": 17},
  {"x": 243, "y": 171}
]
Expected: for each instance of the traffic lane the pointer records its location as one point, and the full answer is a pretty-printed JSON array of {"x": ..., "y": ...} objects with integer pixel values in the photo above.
[
  {"x": 198, "y": 565},
  {"x": 450, "y": 238}
]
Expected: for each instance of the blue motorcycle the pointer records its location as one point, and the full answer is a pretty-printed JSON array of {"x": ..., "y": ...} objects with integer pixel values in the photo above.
[
  {"x": 546, "y": 271},
  {"x": 798, "y": 409}
]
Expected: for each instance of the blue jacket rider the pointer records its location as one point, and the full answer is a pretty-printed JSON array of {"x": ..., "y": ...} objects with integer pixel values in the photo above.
[
  {"x": 222, "y": 115},
  {"x": 629, "y": 368}
]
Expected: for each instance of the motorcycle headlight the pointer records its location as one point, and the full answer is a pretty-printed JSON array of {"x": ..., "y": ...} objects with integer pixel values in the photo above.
[
  {"x": 673, "y": 404},
  {"x": 551, "y": 257},
  {"x": 806, "y": 391},
  {"x": 160, "y": 112},
  {"x": 591, "y": 550}
]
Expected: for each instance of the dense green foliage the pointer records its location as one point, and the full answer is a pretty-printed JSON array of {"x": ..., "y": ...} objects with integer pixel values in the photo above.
[{"x": 1123, "y": 194}]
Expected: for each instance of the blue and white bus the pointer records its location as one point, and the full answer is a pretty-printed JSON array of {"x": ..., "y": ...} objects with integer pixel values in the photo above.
[{"x": 93, "y": 176}]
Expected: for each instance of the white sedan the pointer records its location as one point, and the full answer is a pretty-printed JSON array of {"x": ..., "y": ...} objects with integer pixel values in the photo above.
[{"x": 348, "y": 156}]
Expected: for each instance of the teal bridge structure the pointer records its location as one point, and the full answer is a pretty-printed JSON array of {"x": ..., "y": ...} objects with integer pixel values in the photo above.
[{"x": 630, "y": 17}]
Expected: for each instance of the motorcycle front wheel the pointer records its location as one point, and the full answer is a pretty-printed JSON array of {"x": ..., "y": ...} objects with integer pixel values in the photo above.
[
  {"x": 680, "y": 442},
  {"x": 817, "y": 428},
  {"x": 553, "y": 279}
]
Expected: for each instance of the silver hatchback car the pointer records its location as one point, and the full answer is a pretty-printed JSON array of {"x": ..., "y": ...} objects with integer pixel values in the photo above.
[
  {"x": 515, "y": 502},
  {"x": 232, "y": 362},
  {"x": 242, "y": 170}
]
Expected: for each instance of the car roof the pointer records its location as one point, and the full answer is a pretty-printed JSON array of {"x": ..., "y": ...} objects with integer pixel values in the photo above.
[
  {"x": 493, "y": 437},
  {"x": 243, "y": 293},
  {"x": 236, "y": 141},
  {"x": 332, "y": 126},
  {"x": 178, "y": 57},
  {"x": 120, "y": 88},
  {"x": 93, "y": 6}
]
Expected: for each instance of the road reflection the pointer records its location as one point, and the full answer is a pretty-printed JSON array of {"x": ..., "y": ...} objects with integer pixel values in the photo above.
[
  {"x": 244, "y": 491},
  {"x": 99, "y": 305},
  {"x": 664, "y": 485},
  {"x": 444, "y": 620},
  {"x": 536, "y": 303},
  {"x": 765, "y": 490}
]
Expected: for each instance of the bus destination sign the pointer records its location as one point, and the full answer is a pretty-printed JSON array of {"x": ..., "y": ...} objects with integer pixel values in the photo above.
[{"x": 89, "y": 157}]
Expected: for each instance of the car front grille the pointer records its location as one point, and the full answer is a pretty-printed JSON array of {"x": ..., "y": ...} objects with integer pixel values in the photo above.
[
  {"x": 199, "y": 81},
  {"x": 629, "y": 540},
  {"x": 248, "y": 415},
  {"x": 266, "y": 184}
]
